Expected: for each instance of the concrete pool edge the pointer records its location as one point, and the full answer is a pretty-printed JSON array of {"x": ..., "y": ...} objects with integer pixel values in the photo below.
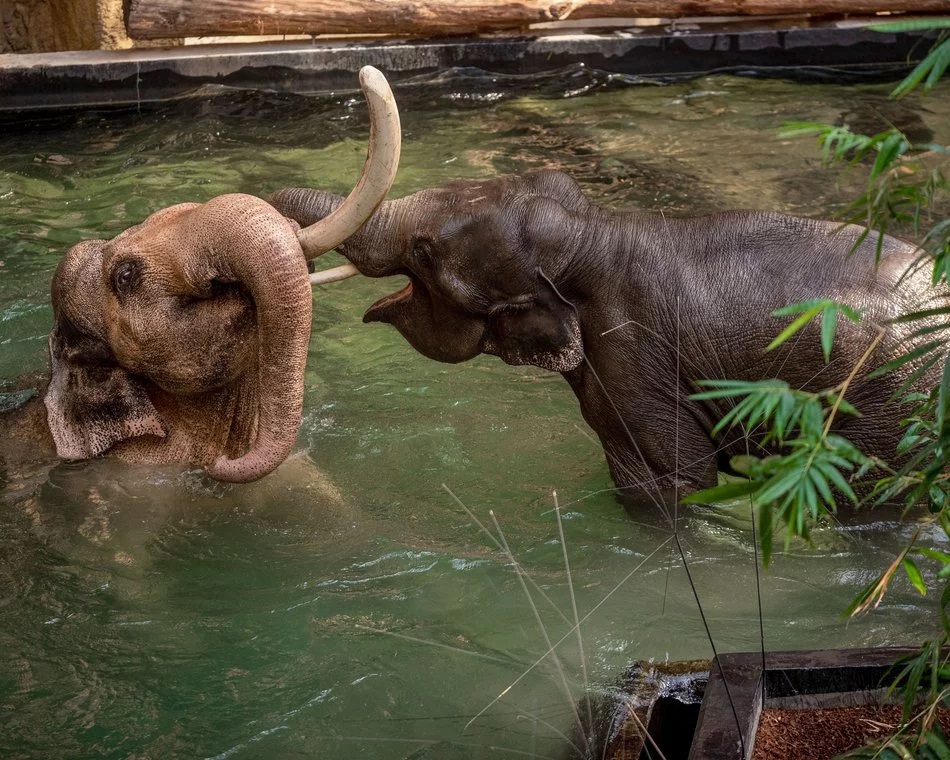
[{"x": 802, "y": 50}]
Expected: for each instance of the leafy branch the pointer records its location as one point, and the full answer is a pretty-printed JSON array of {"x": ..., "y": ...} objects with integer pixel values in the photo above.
[
  {"x": 903, "y": 183},
  {"x": 797, "y": 486},
  {"x": 906, "y": 187}
]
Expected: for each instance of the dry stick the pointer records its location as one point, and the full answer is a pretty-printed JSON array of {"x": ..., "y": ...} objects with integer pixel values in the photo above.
[
  {"x": 676, "y": 452},
  {"x": 554, "y": 729},
  {"x": 577, "y": 625},
  {"x": 431, "y": 643},
  {"x": 564, "y": 638},
  {"x": 424, "y": 742},
  {"x": 519, "y": 573},
  {"x": 758, "y": 581},
  {"x": 847, "y": 381},
  {"x": 712, "y": 644},
  {"x": 645, "y": 733},
  {"x": 500, "y": 548}
]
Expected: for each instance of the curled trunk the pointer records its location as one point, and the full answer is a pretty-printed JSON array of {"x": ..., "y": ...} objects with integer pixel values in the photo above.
[{"x": 275, "y": 274}]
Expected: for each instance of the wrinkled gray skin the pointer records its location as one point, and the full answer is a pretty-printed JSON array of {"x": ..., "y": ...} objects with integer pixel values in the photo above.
[{"x": 633, "y": 308}]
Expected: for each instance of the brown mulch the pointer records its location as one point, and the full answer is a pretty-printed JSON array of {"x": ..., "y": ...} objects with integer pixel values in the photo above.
[{"x": 825, "y": 733}]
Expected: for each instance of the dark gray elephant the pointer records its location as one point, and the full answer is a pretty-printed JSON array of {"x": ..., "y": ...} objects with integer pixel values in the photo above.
[{"x": 633, "y": 308}]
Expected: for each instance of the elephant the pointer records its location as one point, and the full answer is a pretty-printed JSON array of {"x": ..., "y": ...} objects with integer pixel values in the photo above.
[
  {"x": 634, "y": 309},
  {"x": 184, "y": 338}
]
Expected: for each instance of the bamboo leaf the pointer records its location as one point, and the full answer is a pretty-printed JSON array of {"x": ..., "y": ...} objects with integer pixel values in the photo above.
[
  {"x": 913, "y": 316},
  {"x": 940, "y": 556},
  {"x": 905, "y": 358},
  {"x": 802, "y": 128},
  {"x": 936, "y": 744},
  {"x": 723, "y": 492},
  {"x": 822, "y": 485},
  {"x": 829, "y": 322},
  {"x": 863, "y": 597},
  {"x": 891, "y": 148},
  {"x": 777, "y": 486},
  {"x": 943, "y": 403},
  {"x": 914, "y": 575},
  {"x": 837, "y": 479},
  {"x": 794, "y": 327},
  {"x": 935, "y": 59}
]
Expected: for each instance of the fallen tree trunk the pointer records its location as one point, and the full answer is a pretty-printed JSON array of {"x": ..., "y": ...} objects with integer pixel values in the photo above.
[{"x": 149, "y": 19}]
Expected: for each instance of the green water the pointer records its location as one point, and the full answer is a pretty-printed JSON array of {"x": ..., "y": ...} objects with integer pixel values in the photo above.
[{"x": 346, "y": 606}]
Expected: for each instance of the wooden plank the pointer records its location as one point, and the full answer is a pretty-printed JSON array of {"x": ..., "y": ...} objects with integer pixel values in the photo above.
[{"x": 151, "y": 19}]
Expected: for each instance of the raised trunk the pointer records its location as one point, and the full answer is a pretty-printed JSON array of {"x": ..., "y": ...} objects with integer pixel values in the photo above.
[
  {"x": 304, "y": 205},
  {"x": 273, "y": 269},
  {"x": 365, "y": 248}
]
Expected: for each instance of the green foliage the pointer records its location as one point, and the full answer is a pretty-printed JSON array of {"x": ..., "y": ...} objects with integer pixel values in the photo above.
[
  {"x": 930, "y": 745},
  {"x": 911, "y": 25},
  {"x": 814, "y": 469},
  {"x": 924, "y": 678},
  {"x": 807, "y": 311},
  {"x": 928, "y": 71},
  {"x": 795, "y": 488},
  {"x": 903, "y": 183}
]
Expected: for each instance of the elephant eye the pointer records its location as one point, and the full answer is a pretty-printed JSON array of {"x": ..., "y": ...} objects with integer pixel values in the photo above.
[
  {"x": 516, "y": 304},
  {"x": 422, "y": 253},
  {"x": 125, "y": 277}
]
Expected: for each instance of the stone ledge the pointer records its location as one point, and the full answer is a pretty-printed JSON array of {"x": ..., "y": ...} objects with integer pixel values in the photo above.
[{"x": 97, "y": 78}]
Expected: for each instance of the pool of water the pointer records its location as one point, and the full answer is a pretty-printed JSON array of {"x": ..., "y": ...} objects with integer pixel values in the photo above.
[{"x": 347, "y": 605}]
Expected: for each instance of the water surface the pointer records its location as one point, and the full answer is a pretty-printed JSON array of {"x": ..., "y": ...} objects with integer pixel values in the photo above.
[{"x": 347, "y": 606}]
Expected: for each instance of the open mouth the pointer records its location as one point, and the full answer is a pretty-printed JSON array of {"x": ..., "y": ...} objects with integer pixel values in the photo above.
[{"x": 379, "y": 310}]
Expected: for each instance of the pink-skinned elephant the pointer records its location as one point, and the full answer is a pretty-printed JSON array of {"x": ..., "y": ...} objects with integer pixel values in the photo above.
[{"x": 184, "y": 338}]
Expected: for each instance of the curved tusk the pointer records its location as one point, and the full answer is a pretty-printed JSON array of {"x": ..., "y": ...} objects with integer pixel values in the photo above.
[
  {"x": 379, "y": 170},
  {"x": 342, "y": 272}
]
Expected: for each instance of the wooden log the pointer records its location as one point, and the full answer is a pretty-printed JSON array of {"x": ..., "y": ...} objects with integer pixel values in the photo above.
[{"x": 150, "y": 19}]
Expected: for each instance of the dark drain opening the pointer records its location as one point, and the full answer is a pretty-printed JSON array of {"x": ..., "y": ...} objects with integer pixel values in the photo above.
[{"x": 672, "y": 724}]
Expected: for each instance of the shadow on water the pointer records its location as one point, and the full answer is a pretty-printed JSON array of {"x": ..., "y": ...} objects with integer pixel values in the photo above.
[{"x": 349, "y": 605}]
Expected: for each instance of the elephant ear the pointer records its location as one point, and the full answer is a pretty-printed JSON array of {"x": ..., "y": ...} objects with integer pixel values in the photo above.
[
  {"x": 542, "y": 328},
  {"x": 543, "y": 331},
  {"x": 92, "y": 403}
]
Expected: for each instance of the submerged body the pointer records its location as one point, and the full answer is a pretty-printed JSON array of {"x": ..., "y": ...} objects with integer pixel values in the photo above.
[{"x": 633, "y": 309}]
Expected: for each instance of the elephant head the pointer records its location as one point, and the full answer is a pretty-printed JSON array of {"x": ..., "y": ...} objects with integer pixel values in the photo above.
[
  {"x": 184, "y": 338},
  {"x": 481, "y": 258}
]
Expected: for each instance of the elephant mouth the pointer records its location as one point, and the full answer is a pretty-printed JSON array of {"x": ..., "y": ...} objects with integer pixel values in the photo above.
[
  {"x": 432, "y": 326},
  {"x": 382, "y": 310}
]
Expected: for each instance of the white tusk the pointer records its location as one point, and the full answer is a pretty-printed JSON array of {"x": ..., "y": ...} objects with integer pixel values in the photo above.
[
  {"x": 379, "y": 170},
  {"x": 342, "y": 272}
]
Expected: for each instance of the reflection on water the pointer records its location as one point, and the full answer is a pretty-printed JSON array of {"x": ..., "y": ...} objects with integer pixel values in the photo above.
[{"x": 347, "y": 605}]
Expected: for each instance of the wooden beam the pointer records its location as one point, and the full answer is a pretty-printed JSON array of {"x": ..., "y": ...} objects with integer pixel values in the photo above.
[{"x": 150, "y": 19}]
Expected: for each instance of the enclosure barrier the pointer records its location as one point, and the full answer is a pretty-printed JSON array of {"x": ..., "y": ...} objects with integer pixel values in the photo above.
[{"x": 149, "y": 19}]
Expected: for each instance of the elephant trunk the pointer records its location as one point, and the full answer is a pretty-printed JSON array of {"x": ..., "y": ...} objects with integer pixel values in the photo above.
[
  {"x": 303, "y": 205},
  {"x": 366, "y": 248},
  {"x": 272, "y": 268},
  {"x": 280, "y": 285}
]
